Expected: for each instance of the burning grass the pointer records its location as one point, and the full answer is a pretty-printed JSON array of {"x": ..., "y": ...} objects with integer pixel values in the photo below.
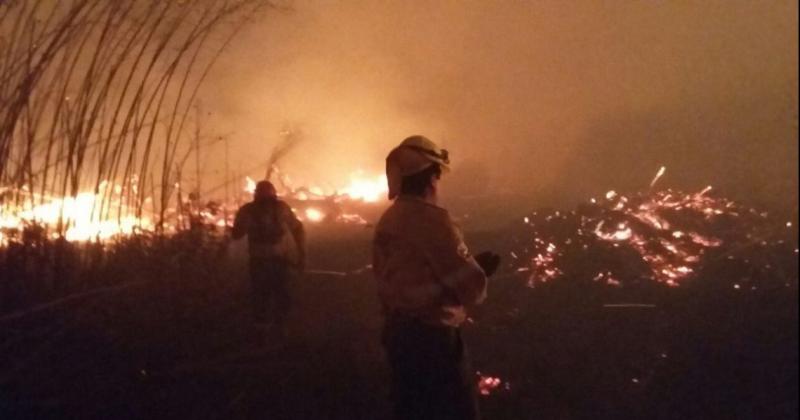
[
  {"x": 79, "y": 218},
  {"x": 605, "y": 309}
]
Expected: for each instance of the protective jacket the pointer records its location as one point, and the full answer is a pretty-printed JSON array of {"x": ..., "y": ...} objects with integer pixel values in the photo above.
[
  {"x": 423, "y": 268},
  {"x": 272, "y": 229}
]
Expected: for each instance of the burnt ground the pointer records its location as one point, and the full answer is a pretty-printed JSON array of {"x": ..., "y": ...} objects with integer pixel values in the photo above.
[{"x": 182, "y": 347}]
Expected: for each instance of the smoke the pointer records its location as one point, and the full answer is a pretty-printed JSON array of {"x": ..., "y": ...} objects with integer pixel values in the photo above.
[{"x": 548, "y": 102}]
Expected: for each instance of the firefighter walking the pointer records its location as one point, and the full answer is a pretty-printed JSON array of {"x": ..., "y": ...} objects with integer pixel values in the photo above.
[
  {"x": 276, "y": 244},
  {"x": 426, "y": 281}
]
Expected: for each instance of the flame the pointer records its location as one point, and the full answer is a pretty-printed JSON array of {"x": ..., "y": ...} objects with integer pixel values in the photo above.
[
  {"x": 370, "y": 190},
  {"x": 314, "y": 215},
  {"x": 249, "y": 185},
  {"x": 361, "y": 187},
  {"x": 79, "y": 218},
  {"x": 79, "y": 214}
]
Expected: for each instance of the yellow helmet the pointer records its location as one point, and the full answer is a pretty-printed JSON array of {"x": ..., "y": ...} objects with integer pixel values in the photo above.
[{"x": 413, "y": 155}]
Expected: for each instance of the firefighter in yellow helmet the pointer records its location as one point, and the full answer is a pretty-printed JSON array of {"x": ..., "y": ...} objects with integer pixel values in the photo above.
[{"x": 426, "y": 281}]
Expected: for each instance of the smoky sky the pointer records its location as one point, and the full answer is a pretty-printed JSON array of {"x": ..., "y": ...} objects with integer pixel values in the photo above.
[{"x": 552, "y": 101}]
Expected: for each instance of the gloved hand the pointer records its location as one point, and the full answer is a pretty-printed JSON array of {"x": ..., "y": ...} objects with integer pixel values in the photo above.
[{"x": 489, "y": 261}]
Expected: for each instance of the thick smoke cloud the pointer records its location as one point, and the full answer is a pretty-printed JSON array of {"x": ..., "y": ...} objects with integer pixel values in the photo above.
[{"x": 548, "y": 101}]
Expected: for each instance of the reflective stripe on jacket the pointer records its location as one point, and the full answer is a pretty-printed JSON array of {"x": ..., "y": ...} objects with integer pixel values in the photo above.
[{"x": 422, "y": 265}]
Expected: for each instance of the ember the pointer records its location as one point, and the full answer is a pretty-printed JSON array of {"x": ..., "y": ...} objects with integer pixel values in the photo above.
[
  {"x": 489, "y": 384},
  {"x": 664, "y": 236}
]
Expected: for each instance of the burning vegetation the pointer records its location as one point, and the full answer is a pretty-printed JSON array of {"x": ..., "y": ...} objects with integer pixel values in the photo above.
[
  {"x": 99, "y": 117},
  {"x": 80, "y": 219},
  {"x": 96, "y": 103}
]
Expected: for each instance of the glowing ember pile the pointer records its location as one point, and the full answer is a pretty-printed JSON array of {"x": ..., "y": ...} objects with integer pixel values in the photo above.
[
  {"x": 644, "y": 226},
  {"x": 664, "y": 236}
]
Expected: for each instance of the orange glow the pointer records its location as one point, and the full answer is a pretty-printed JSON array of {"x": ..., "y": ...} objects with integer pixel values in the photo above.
[
  {"x": 314, "y": 215},
  {"x": 641, "y": 224},
  {"x": 367, "y": 189},
  {"x": 80, "y": 214},
  {"x": 249, "y": 185},
  {"x": 682, "y": 255},
  {"x": 488, "y": 384},
  {"x": 361, "y": 187}
]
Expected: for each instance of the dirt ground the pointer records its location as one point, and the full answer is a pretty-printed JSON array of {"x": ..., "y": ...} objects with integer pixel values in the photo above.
[{"x": 184, "y": 348}]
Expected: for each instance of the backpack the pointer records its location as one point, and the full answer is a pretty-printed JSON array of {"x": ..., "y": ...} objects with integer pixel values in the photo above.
[{"x": 266, "y": 224}]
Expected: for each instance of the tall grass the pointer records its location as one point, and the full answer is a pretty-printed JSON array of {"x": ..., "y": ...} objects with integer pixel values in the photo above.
[
  {"x": 94, "y": 92},
  {"x": 99, "y": 90}
]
